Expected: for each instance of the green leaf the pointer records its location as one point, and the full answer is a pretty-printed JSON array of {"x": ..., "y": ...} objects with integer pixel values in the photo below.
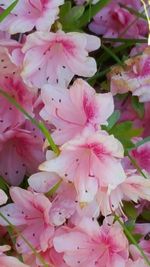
[
  {"x": 94, "y": 9},
  {"x": 64, "y": 9},
  {"x": 124, "y": 132},
  {"x": 6, "y": 12},
  {"x": 75, "y": 13},
  {"x": 130, "y": 210},
  {"x": 146, "y": 215},
  {"x": 3, "y": 185},
  {"x": 71, "y": 17},
  {"x": 137, "y": 106}
]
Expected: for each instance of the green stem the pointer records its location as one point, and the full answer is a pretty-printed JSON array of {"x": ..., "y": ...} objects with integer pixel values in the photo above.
[
  {"x": 7, "y": 11},
  {"x": 142, "y": 142},
  {"x": 94, "y": 10},
  {"x": 26, "y": 241},
  {"x": 39, "y": 125},
  {"x": 133, "y": 161},
  {"x": 113, "y": 55},
  {"x": 3, "y": 182},
  {"x": 53, "y": 189},
  {"x": 123, "y": 40},
  {"x": 132, "y": 240},
  {"x": 98, "y": 75},
  {"x": 104, "y": 57},
  {"x": 13, "y": 239}
]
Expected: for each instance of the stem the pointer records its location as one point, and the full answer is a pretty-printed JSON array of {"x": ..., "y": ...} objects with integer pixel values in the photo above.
[
  {"x": 13, "y": 239},
  {"x": 94, "y": 10},
  {"x": 104, "y": 57},
  {"x": 26, "y": 241},
  {"x": 123, "y": 40},
  {"x": 133, "y": 161},
  {"x": 39, "y": 125},
  {"x": 132, "y": 239},
  {"x": 109, "y": 51},
  {"x": 142, "y": 142},
  {"x": 7, "y": 11},
  {"x": 99, "y": 75},
  {"x": 53, "y": 189}
]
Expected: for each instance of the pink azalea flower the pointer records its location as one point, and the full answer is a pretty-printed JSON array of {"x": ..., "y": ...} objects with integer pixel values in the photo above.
[
  {"x": 70, "y": 111},
  {"x": 4, "y": 35},
  {"x": 133, "y": 77},
  {"x": 109, "y": 202},
  {"x": 143, "y": 229},
  {"x": 99, "y": 242},
  {"x": 137, "y": 263},
  {"x": 57, "y": 57},
  {"x": 29, "y": 14},
  {"x": 144, "y": 245},
  {"x": 142, "y": 156},
  {"x": 13, "y": 85},
  {"x": 43, "y": 182},
  {"x": 134, "y": 188},
  {"x": 7, "y": 48},
  {"x": 63, "y": 203},
  {"x": 21, "y": 153},
  {"x": 138, "y": 49},
  {"x": 113, "y": 21},
  {"x": 8, "y": 261},
  {"x": 90, "y": 161},
  {"x": 3, "y": 197},
  {"x": 31, "y": 212},
  {"x": 10, "y": 116},
  {"x": 51, "y": 257}
]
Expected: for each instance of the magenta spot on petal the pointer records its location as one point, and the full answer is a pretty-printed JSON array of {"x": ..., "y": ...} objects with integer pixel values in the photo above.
[{"x": 89, "y": 108}]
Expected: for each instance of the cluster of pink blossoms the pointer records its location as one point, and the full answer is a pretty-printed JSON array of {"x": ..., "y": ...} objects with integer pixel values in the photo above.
[
  {"x": 63, "y": 205},
  {"x": 115, "y": 20}
]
